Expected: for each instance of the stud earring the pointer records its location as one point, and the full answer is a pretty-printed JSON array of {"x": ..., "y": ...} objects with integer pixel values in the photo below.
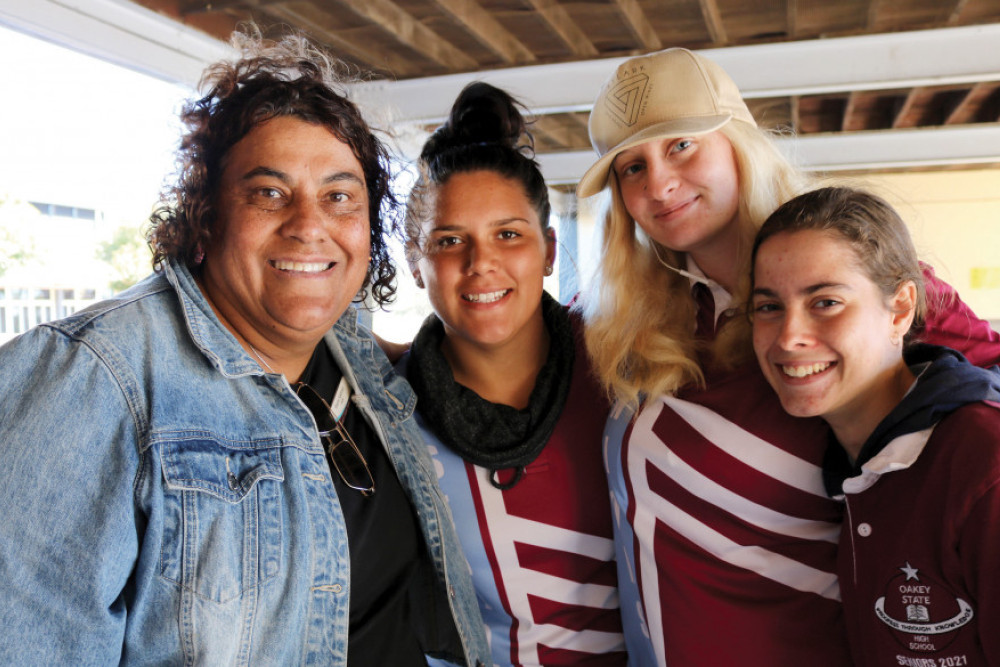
[{"x": 548, "y": 269}]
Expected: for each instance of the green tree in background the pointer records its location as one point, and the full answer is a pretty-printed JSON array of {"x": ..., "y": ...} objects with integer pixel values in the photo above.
[
  {"x": 129, "y": 256},
  {"x": 17, "y": 245}
]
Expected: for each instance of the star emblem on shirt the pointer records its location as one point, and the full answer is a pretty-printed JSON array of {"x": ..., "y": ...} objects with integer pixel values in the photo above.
[{"x": 910, "y": 571}]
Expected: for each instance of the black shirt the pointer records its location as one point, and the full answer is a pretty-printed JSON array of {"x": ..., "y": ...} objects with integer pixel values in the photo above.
[{"x": 383, "y": 538}]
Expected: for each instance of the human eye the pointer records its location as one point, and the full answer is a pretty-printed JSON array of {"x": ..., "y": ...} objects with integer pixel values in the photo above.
[
  {"x": 509, "y": 234},
  {"x": 446, "y": 241},
  {"x": 267, "y": 197},
  {"x": 629, "y": 169},
  {"x": 765, "y": 308},
  {"x": 681, "y": 145},
  {"x": 826, "y": 303}
]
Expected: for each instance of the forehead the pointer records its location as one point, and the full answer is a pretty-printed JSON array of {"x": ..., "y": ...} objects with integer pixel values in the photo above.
[
  {"x": 292, "y": 143},
  {"x": 481, "y": 196},
  {"x": 791, "y": 255}
]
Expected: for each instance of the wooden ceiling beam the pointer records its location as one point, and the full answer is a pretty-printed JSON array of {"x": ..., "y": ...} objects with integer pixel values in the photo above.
[
  {"x": 638, "y": 23},
  {"x": 319, "y": 26},
  {"x": 909, "y": 114},
  {"x": 190, "y": 7},
  {"x": 561, "y": 129},
  {"x": 965, "y": 111},
  {"x": 792, "y": 18},
  {"x": 713, "y": 21},
  {"x": 873, "y": 7},
  {"x": 400, "y": 24},
  {"x": 956, "y": 12},
  {"x": 562, "y": 24},
  {"x": 849, "y": 120},
  {"x": 488, "y": 30}
]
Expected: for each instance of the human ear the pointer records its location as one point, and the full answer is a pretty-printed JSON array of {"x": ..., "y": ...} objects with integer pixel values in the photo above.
[
  {"x": 417, "y": 277},
  {"x": 903, "y": 307},
  {"x": 550, "y": 247}
]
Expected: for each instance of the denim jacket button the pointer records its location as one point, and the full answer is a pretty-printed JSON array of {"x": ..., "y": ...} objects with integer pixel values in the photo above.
[{"x": 451, "y": 591}]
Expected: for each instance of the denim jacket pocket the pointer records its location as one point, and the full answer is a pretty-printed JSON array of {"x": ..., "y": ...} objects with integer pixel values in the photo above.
[{"x": 222, "y": 514}]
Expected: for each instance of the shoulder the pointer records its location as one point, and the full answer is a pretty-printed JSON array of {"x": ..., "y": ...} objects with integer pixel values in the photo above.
[
  {"x": 967, "y": 442},
  {"x": 950, "y": 321},
  {"x": 975, "y": 422}
]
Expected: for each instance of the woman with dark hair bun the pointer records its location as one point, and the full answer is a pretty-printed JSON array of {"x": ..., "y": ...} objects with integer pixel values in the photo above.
[{"x": 507, "y": 401}]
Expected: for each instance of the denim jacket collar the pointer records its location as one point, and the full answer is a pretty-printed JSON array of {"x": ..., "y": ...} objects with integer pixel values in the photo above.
[{"x": 220, "y": 347}]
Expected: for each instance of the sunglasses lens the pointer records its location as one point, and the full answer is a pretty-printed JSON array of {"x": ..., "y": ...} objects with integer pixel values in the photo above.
[
  {"x": 318, "y": 407},
  {"x": 346, "y": 458},
  {"x": 352, "y": 467}
]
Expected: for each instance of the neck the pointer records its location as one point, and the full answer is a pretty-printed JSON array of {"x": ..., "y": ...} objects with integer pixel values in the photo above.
[
  {"x": 286, "y": 359},
  {"x": 719, "y": 267},
  {"x": 852, "y": 427},
  {"x": 504, "y": 373},
  {"x": 274, "y": 359}
]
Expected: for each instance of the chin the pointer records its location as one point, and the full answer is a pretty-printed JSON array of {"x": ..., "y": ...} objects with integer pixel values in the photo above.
[{"x": 798, "y": 408}]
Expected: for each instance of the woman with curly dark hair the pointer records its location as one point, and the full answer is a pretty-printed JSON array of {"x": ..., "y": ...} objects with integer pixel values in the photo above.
[{"x": 227, "y": 468}]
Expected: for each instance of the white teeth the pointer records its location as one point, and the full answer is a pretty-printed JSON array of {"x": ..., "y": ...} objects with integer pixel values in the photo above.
[
  {"x": 486, "y": 297},
  {"x": 305, "y": 267},
  {"x": 803, "y": 371}
]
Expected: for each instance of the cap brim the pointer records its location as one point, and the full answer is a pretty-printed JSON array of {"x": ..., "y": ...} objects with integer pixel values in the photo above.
[{"x": 595, "y": 178}]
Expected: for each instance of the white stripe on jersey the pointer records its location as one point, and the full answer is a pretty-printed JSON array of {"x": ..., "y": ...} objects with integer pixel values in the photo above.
[
  {"x": 740, "y": 444},
  {"x": 651, "y": 508},
  {"x": 520, "y": 582}
]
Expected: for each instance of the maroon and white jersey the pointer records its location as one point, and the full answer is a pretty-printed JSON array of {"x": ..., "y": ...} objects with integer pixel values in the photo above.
[
  {"x": 541, "y": 552},
  {"x": 726, "y": 538}
]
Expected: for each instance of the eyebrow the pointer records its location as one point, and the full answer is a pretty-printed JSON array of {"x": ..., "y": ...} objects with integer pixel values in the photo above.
[
  {"x": 496, "y": 223},
  {"x": 811, "y": 289},
  {"x": 283, "y": 177}
]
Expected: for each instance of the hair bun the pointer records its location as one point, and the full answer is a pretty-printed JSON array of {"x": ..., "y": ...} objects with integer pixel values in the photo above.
[{"x": 483, "y": 114}]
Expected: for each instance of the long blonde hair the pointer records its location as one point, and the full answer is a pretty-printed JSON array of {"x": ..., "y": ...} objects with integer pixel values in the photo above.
[{"x": 640, "y": 316}]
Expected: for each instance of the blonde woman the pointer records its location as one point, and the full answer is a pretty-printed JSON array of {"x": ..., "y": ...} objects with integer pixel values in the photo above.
[{"x": 726, "y": 538}]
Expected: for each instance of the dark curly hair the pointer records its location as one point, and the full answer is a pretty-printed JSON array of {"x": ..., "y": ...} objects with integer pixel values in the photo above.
[{"x": 290, "y": 77}]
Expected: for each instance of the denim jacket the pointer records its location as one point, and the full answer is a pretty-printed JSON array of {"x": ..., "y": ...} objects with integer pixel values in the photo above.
[{"x": 164, "y": 501}]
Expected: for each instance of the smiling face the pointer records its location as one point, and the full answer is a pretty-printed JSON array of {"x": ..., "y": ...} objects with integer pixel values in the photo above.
[
  {"x": 292, "y": 240},
  {"x": 483, "y": 259},
  {"x": 826, "y": 337},
  {"x": 684, "y": 193}
]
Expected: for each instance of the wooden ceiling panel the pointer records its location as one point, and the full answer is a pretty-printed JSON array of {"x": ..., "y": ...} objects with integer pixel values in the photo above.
[
  {"x": 749, "y": 21},
  {"x": 818, "y": 18},
  {"x": 403, "y": 39},
  {"x": 912, "y": 15},
  {"x": 678, "y": 23}
]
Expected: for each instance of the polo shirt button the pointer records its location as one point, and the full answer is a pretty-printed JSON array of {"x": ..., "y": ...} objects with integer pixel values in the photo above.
[{"x": 864, "y": 529}]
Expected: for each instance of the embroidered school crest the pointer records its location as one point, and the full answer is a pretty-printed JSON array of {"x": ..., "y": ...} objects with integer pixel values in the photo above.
[{"x": 921, "y": 613}]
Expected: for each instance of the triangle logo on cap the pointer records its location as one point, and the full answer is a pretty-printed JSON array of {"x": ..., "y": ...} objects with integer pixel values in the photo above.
[{"x": 625, "y": 99}]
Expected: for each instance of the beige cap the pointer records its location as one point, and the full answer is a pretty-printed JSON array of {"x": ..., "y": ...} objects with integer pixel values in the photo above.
[{"x": 671, "y": 93}]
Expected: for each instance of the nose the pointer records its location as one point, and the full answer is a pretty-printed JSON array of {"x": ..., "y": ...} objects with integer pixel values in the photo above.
[
  {"x": 662, "y": 179},
  {"x": 481, "y": 258},
  {"x": 795, "y": 331},
  {"x": 306, "y": 222}
]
